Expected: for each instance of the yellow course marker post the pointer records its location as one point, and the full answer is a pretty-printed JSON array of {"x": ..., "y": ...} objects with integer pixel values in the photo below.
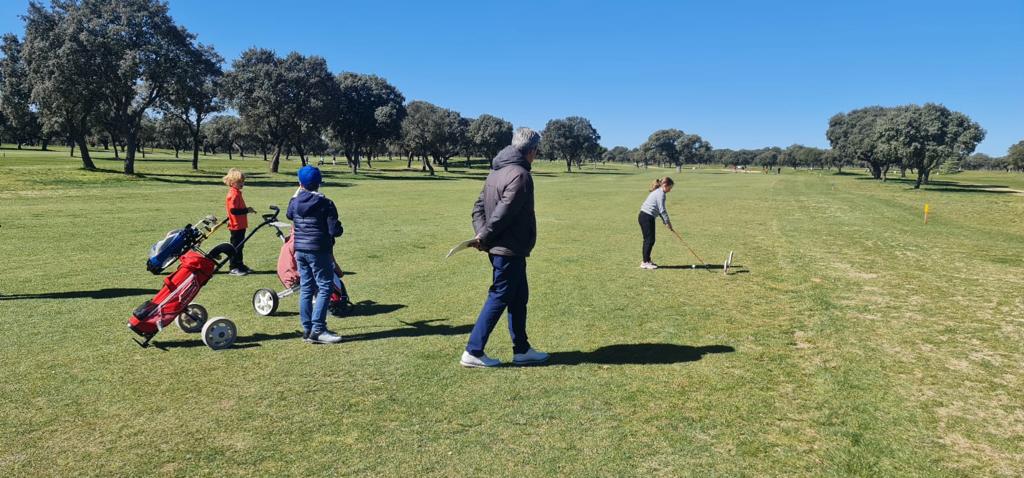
[{"x": 926, "y": 213}]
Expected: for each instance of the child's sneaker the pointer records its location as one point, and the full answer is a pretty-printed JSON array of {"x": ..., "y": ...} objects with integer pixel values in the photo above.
[
  {"x": 325, "y": 337},
  {"x": 648, "y": 265},
  {"x": 238, "y": 272}
]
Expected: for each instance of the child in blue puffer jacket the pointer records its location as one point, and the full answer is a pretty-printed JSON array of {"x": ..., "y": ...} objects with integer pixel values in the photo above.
[{"x": 315, "y": 225}]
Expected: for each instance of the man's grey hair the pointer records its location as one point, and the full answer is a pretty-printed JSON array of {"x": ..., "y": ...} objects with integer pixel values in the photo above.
[{"x": 526, "y": 140}]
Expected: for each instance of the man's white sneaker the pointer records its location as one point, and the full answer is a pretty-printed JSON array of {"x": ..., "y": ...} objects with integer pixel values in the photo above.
[
  {"x": 483, "y": 361},
  {"x": 648, "y": 265},
  {"x": 530, "y": 357}
]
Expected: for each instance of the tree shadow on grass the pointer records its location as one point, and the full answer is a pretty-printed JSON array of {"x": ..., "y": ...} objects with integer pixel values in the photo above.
[
  {"x": 214, "y": 180},
  {"x": 638, "y": 354},
  {"x": 948, "y": 186},
  {"x": 419, "y": 328},
  {"x": 240, "y": 342},
  {"x": 110, "y": 293}
]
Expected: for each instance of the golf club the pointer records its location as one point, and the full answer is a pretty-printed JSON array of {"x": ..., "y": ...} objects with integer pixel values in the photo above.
[{"x": 688, "y": 247}]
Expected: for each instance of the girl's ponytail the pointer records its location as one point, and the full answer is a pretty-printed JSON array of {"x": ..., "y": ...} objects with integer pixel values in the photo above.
[{"x": 657, "y": 183}]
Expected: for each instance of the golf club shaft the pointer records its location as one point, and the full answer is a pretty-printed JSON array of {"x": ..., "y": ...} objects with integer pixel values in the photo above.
[{"x": 688, "y": 247}]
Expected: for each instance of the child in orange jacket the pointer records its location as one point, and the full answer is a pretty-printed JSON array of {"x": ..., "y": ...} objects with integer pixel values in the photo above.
[{"x": 238, "y": 222}]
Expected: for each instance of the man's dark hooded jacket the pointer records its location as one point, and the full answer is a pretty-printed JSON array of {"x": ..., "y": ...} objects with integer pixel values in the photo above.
[{"x": 503, "y": 216}]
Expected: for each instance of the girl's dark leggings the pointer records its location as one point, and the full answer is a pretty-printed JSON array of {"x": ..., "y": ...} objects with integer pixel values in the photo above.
[{"x": 647, "y": 227}]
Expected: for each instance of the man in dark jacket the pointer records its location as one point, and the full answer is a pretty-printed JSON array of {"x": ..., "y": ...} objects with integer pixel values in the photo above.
[
  {"x": 506, "y": 227},
  {"x": 315, "y": 224}
]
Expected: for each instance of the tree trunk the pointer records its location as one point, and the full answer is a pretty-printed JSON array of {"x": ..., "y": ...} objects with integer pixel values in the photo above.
[
  {"x": 195, "y": 152},
  {"x": 876, "y": 171},
  {"x": 84, "y": 150},
  {"x": 275, "y": 164},
  {"x": 45, "y": 144},
  {"x": 444, "y": 163},
  {"x": 129, "y": 155},
  {"x": 369, "y": 157},
  {"x": 408, "y": 165},
  {"x": 176, "y": 153},
  {"x": 264, "y": 149},
  {"x": 426, "y": 163},
  {"x": 72, "y": 148},
  {"x": 229, "y": 153},
  {"x": 568, "y": 165}
]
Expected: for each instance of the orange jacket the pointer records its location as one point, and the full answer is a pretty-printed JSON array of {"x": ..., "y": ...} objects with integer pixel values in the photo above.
[{"x": 234, "y": 202}]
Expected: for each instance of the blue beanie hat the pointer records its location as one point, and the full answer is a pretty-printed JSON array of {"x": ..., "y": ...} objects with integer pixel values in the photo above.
[{"x": 309, "y": 177}]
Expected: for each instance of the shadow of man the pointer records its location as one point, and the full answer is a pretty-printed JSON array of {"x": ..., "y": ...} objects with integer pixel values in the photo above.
[{"x": 638, "y": 354}]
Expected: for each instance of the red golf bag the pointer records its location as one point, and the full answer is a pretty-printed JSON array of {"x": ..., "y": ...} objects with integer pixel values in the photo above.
[{"x": 177, "y": 293}]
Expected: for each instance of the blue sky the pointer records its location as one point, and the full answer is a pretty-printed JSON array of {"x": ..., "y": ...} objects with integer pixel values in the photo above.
[{"x": 743, "y": 74}]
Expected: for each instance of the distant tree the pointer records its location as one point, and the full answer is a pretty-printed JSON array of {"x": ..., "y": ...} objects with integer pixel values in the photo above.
[
  {"x": 195, "y": 95},
  {"x": 691, "y": 149},
  {"x": 286, "y": 101},
  {"x": 222, "y": 131},
  {"x": 854, "y": 137},
  {"x": 662, "y": 146},
  {"x": 488, "y": 135},
  {"x": 1015, "y": 156},
  {"x": 370, "y": 111},
  {"x": 173, "y": 133},
  {"x": 430, "y": 130},
  {"x": 618, "y": 154},
  {"x": 61, "y": 64},
  {"x": 147, "y": 133},
  {"x": 768, "y": 157},
  {"x": 570, "y": 139},
  {"x": 926, "y": 136}
]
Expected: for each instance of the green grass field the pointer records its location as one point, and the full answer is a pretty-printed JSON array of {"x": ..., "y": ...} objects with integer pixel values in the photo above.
[{"x": 852, "y": 339}]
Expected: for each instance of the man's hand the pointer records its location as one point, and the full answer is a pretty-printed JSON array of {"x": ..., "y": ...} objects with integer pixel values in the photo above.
[
  {"x": 669, "y": 224},
  {"x": 475, "y": 243}
]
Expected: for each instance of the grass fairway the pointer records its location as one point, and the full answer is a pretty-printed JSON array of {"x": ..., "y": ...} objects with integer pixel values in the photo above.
[{"x": 852, "y": 339}]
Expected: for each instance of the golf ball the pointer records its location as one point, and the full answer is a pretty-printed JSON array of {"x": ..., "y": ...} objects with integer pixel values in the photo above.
[{"x": 693, "y": 266}]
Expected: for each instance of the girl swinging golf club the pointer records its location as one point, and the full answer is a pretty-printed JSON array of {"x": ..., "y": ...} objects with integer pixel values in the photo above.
[{"x": 653, "y": 206}]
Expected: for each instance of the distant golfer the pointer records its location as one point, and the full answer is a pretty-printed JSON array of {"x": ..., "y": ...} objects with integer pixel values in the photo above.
[
  {"x": 654, "y": 206},
  {"x": 315, "y": 226},
  {"x": 506, "y": 227}
]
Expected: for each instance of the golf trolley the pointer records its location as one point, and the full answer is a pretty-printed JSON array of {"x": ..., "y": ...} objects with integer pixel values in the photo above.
[
  {"x": 265, "y": 301},
  {"x": 174, "y": 301}
]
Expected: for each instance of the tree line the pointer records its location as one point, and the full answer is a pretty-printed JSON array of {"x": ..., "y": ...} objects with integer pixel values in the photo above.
[{"x": 123, "y": 74}]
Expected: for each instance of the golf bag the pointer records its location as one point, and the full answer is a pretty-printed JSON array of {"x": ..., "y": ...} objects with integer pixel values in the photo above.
[
  {"x": 288, "y": 273},
  {"x": 179, "y": 289},
  {"x": 171, "y": 247}
]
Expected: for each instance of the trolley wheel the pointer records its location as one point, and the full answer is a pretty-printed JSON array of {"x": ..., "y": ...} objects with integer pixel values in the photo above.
[
  {"x": 265, "y": 302},
  {"x": 192, "y": 319},
  {"x": 219, "y": 333}
]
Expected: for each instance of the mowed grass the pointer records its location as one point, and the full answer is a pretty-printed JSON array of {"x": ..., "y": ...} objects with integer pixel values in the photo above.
[{"x": 852, "y": 339}]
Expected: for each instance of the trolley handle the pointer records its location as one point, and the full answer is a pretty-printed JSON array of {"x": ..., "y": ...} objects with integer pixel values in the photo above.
[{"x": 273, "y": 216}]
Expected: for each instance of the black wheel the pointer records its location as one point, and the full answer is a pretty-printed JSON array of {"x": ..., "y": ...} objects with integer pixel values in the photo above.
[
  {"x": 192, "y": 319},
  {"x": 265, "y": 302}
]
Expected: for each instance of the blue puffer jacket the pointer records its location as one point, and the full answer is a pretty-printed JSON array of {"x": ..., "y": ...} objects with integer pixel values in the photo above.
[{"x": 315, "y": 221}]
